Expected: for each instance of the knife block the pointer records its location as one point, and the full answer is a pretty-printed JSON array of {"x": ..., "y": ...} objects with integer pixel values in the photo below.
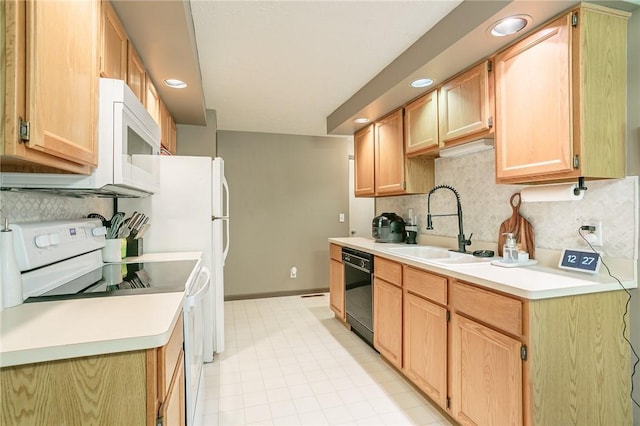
[{"x": 134, "y": 247}]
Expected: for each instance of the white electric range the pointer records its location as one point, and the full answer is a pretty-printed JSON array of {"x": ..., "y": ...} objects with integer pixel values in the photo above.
[{"x": 61, "y": 260}]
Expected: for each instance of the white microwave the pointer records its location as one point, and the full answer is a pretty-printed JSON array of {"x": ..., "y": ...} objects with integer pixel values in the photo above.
[{"x": 128, "y": 138}]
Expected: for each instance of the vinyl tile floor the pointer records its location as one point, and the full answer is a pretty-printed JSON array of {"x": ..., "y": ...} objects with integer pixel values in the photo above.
[{"x": 288, "y": 361}]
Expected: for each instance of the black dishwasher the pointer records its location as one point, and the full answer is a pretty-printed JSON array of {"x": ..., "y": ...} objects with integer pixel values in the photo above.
[{"x": 358, "y": 281}]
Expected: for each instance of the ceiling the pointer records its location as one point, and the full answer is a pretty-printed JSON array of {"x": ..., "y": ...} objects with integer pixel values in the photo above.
[{"x": 310, "y": 67}]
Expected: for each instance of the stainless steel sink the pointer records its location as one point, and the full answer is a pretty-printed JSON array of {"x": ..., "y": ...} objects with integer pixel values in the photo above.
[{"x": 437, "y": 255}]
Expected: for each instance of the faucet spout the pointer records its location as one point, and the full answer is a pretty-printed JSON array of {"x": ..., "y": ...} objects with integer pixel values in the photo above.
[{"x": 463, "y": 242}]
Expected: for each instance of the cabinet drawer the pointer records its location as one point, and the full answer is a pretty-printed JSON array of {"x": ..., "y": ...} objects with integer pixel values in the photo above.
[
  {"x": 335, "y": 252},
  {"x": 168, "y": 356},
  {"x": 494, "y": 309},
  {"x": 425, "y": 284},
  {"x": 388, "y": 270}
]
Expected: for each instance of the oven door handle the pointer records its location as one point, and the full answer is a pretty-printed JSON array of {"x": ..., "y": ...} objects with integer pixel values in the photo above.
[
  {"x": 203, "y": 276},
  {"x": 360, "y": 268}
]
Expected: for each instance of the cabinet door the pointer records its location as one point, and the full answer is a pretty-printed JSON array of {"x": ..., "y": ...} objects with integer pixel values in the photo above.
[
  {"x": 167, "y": 129},
  {"x": 465, "y": 106},
  {"x": 425, "y": 346},
  {"x": 421, "y": 125},
  {"x": 172, "y": 135},
  {"x": 61, "y": 83},
  {"x": 135, "y": 73},
  {"x": 336, "y": 288},
  {"x": 364, "y": 165},
  {"x": 389, "y": 158},
  {"x": 487, "y": 375},
  {"x": 387, "y": 321},
  {"x": 113, "y": 57},
  {"x": 152, "y": 100},
  {"x": 533, "y": 108},
  {"x": 172, "y": 409}
]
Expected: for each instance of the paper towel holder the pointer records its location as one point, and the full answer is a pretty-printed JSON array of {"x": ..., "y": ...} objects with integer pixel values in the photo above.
[{"x": 580, "y": 186}]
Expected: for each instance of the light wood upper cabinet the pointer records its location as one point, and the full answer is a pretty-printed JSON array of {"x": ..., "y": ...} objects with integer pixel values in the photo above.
[
  {"x": 152, "y": 100},
  {"x": 465, "y": 106},
  {"x": 364, "y": 162},
  {"x": 336, "y": 282},
  {"x": 51, "y": 82},
  {"x": 114, "y": 41},
  {"x": 136, "y": 75},
  {"x": 381, "y": 168},
  {"x": 389, "y": 158},
  {"x": 561, "y": 106},
  {"x": 421, "y": 125},
  {"x": 167, "y": 129}
]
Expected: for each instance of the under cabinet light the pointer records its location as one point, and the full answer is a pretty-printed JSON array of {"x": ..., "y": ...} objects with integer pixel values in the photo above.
[{"x": 467, "y": 148}]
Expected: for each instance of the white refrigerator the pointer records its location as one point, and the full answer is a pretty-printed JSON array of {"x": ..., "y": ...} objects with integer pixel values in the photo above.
[{"x": 190, "y": 212}]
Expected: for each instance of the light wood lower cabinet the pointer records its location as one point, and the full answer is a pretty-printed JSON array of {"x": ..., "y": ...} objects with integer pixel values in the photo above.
[
  {"x": 125, "y": 388},
  {"x": 387, "y": 321},
  {"x": 487, "y": 375},
  {"x": 489, "y": 358},
  {"x": 387, "y": 310},
  {"x": 425, "y": 346},
  {"x": 336, "y": 282}
]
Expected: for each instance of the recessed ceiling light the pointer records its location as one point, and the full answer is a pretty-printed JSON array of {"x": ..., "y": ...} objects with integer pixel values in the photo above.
[
  {"x": 361, "y": 120},
  {"x": 509, "y": 25},
  {"x": 422, "y": 82},
  {"x": 175, "y": 84}
]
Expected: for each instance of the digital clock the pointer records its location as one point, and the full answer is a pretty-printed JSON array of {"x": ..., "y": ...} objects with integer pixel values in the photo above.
[{"x": 581, "y": 261}]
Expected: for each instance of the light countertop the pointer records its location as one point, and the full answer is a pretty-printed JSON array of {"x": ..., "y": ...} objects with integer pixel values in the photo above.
[
  {"x": 47, "y": 331},
  {"x": 530, "y": 282}
]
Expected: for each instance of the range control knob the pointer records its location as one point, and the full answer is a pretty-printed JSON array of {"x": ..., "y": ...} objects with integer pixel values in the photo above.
[
  {"x": 363, "y": 263},
  {"x": 98, "y": 231},
  {"x": 42, "y": 241}
]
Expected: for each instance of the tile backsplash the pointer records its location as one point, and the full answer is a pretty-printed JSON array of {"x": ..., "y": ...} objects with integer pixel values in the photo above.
[
  {"x": 30, "y": 207},
  {"x": 485, "y": 206}
]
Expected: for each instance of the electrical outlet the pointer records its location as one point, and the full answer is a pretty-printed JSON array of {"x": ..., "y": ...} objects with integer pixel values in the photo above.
[
  {"x": 594, "y": 237},
  {"x": 293, "y": 272},
  {"x": 341, "y": 218}
]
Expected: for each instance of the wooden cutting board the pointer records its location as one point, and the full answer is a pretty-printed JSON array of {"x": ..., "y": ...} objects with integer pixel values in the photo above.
[{"x": 520, "y": 227}]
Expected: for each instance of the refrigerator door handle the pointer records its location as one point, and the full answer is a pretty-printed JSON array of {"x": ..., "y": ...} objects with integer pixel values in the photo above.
[{"x": 225, "y": 186}]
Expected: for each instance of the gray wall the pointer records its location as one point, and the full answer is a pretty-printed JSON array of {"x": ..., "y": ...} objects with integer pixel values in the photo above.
[
  {"x": 198, "y": 141},
  {"x": 286, "y": 194}
]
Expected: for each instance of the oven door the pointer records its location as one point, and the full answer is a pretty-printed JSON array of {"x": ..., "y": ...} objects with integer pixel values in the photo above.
[{"x": 194, "y": 345}]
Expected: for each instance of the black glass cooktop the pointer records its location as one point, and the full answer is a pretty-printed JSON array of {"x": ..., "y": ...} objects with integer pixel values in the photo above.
[{"x": 116, "y": 279}]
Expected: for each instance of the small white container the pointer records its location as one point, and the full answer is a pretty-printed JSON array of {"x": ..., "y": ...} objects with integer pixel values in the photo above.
[
  {"x": 509, "y": 250},
  {"x": 112, "y": 251}
]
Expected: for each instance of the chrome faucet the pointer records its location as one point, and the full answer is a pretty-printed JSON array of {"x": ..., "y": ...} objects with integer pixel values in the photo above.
[{"x": 462, "y": 241}]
